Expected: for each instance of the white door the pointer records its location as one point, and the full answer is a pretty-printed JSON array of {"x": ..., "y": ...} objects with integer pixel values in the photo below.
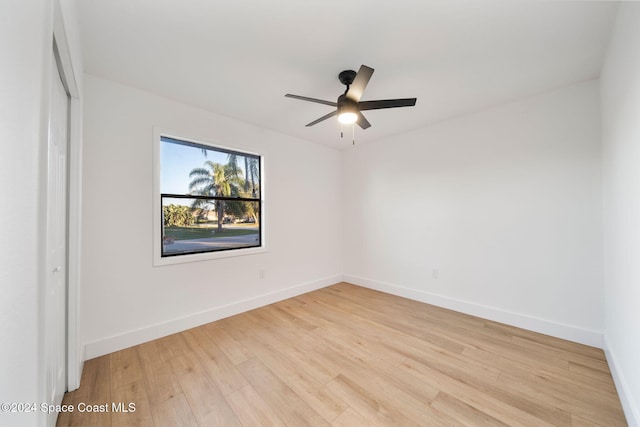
[{"x": 56, "y": 287}]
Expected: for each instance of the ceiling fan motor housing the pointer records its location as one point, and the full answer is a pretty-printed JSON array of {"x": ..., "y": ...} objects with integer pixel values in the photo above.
[{"x": 346, "y": 105}]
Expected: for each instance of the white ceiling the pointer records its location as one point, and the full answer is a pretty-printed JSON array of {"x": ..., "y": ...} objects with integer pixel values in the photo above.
[{"x": 239, "y": 58}]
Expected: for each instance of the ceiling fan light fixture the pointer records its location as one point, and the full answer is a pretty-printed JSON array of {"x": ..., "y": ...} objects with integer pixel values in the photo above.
[
  {"x": 347, "y": 111},
  {"x": 347, "y": 117}
]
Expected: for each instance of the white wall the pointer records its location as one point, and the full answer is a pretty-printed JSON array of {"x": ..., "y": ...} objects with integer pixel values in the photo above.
[
  {"x": 125, "y": 300},
  {"x": 505, "y": 204},
  {"x": 620, "y": 89},
  {"x": 25, "y": 48},
  {"x": 25, "y": 27}
]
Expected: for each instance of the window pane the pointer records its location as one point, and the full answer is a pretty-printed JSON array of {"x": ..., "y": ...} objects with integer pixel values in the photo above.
[
  {"x": 190, "y": 168},
  {"x": 195, "y": 225}
]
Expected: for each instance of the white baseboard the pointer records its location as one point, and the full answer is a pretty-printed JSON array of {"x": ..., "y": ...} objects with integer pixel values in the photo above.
[
  {"x": 547, "y": 327},
  {"x": 118, "y": 342},
  {"x": 159, "y": 330},
  {"x": 629, "y": 405}
]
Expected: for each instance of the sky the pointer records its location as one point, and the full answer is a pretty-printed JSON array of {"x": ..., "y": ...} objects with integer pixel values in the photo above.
[{"x": 178, "y": 160}]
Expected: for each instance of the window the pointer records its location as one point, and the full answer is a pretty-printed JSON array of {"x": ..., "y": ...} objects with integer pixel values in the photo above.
[{"x": 210, "y": 199}]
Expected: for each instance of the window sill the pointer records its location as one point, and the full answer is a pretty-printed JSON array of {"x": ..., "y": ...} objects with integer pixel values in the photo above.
[{"x": 159, "y": 261}]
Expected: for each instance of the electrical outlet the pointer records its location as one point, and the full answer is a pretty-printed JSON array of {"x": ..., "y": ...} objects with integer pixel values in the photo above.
[
  {"x": 435, "y": 273},
  {"x": 261, "y": 274}
]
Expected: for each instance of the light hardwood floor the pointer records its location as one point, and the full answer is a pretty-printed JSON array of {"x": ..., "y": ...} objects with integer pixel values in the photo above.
[{"x": 350, "y": 356}]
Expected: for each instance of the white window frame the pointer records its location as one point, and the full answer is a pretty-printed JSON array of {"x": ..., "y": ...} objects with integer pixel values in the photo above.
[{"x": 158, "y": 259}]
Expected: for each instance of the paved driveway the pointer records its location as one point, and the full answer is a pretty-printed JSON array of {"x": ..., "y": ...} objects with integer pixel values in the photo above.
[{"x": 211, "y": 243}]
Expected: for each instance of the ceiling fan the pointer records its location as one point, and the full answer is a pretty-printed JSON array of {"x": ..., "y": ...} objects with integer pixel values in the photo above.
[{"x": 348, "y": 106}]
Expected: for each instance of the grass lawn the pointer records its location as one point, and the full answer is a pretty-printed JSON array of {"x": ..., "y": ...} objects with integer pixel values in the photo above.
[{"x": 183, "y": 233}]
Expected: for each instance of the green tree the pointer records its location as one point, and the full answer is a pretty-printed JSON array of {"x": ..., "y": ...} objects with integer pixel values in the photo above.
[
  {"x": 214, "y": 179},
  {"x": 176, "y": 215},
  {"x": 254, "y": 190},
  {"x": 248, "y": 187}
]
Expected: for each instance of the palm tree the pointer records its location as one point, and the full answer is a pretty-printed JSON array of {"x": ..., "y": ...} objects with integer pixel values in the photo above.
[
  {"x": 252, "y": 174},
  {"x": 212, "y": 180},
  {"x": 246, "y": 174},
  {"x": 232, "y": 164},
  {"x": 250, "y": 184}
]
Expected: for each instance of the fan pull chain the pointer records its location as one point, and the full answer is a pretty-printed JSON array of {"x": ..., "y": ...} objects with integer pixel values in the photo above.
[{"x": 353, "y": 133}]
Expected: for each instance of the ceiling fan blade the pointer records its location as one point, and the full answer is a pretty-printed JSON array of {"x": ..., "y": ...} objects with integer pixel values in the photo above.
[
  {"x": 386, "y": 103},
  {"x": 362, "y": 122},
  {"x": 325, "y": 117},
  {"x": 306, "y": 98},
  {"x": 356, "y": 89}
]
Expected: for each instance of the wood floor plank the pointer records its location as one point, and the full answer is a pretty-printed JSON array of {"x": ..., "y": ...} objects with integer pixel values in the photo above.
[
  {"x": 172, "y": 346},
  {"x": 489, "y": 405},
  {"x": 96, "y": 376},
  {"x": 205, "y": 399},
  {"x": 365, "y": 404},
  {"x": 282, "y": 310},
  {"x": 215, "y": 362},
  {"x": 231, "y": 347},
  {"x": 161, "y": 382},
  {"x": 371, "y": 355},
  {"x": 125, "y": 368},
  {"x": 389, "y": 391},
  {"x": 401, "y": 323},
  {"x": 149, "y": 353},
  {"x": 571, "y": 347},
  {"x": 571, "y": 357},
  {"x": 597, "y": 377},
  {"x": 350, "y": 356},
  {"x": 122, "y": 414},
  {"x": 301, "y": 382},
  {"x": 559, "y": 390},
  {"x": 307, "y": 363},
  {"x": 174, "y": 412},
  {"x": 282, "y": 329},
  {"x": 252, "y": 409},
  {"x": 350, "y": 418},
  {"x": 599, "y": 408},
  {"x": 128, "y": 387},
  {"x": 465, "y": 414},
  {"x": 577, "y": 421},
  {"x": 481, "y": 380},
  {"x": 289, "y": 407}
]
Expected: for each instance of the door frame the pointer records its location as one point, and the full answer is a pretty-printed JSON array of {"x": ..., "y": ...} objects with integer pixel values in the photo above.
[{"x": 68, "y": 74}]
